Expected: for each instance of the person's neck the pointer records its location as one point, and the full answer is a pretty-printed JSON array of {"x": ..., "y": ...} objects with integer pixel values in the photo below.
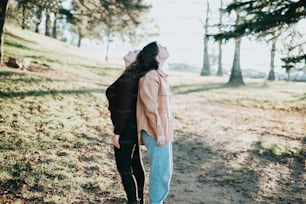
[{"x": 161, "y": 65}]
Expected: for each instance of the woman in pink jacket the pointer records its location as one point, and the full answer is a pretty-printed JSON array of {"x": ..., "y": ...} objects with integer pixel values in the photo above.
[{"x": 155, "y": 118}]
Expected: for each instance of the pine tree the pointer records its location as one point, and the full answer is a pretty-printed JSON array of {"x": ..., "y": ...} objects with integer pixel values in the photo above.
[{"x": 265, "y": 16}]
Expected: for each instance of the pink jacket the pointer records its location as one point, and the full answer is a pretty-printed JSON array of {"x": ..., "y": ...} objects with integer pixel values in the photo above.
[{"x": 154, "y": 108}]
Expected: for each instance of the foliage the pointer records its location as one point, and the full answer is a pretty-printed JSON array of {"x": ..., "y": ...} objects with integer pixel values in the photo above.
[{"x": 265, "y": 17}]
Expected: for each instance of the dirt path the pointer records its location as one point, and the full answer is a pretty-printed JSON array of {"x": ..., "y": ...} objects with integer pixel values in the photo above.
[{"x": 222, "y": 155}]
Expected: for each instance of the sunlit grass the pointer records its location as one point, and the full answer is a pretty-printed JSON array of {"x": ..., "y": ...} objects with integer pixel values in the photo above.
[{"x": 257, "y": 93}]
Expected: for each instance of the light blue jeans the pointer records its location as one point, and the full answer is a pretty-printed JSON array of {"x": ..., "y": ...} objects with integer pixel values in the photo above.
[{"x": 161, "y": 168}]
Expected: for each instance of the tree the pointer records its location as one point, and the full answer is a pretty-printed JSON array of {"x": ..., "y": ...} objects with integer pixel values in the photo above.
[
  {"x": 206, "y": 66},
  {"x": 3, "y": 8},
  {"x": 271, "y": 75},
  {"x": 107, "y": 19},
  {"x": 236, "y": 78},
  {"x": 291, "y": 48},
  {"x": 220, "y": 69},
  {"x": 264, "y": 16}
]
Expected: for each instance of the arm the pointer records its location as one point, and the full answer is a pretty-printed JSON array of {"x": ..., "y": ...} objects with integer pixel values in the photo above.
[{"x": 148, "y": 93}]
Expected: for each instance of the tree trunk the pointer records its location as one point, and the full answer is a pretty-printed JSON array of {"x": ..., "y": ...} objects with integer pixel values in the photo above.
[
  {"x": 271, "y": 76},
  {"x": 39, "y": 16},
  {"x": 236, "y": 78},
  {"x": 289, "y": 77},
  {"x": 206, "y": 66},
  {"x": 220, "y": 69},
  {"x": 236, "y": 75},
  {"x": 24, "y": 13},
  {"x": 3, "y": 8},
  {"x": 47, "y": 25},
  {"x": 107, "y": 50},
  {"x": 54, "y": 29},
  {"x": 80, "y": 40}
]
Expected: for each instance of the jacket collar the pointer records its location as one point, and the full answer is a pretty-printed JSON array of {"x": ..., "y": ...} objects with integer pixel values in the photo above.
[{"x": 162, "y": 73}]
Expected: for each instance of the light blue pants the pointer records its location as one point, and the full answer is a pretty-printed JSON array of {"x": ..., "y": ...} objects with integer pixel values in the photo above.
[{"x": 161, "y": 168}]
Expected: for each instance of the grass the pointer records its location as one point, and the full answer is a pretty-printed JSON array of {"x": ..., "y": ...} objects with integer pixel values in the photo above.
[
  {"x": 54, "y": 143},
  {"x": 258, "y": 93}
]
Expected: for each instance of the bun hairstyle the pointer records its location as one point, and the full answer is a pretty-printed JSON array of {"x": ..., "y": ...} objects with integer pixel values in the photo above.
[{"x": 146, "y": 59}]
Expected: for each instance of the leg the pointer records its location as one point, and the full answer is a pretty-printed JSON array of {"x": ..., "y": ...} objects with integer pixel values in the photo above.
[
  {"x": 138, "y": 172},
  {"x": 161, "y": 168},
  {"x": 124, "y": 165}
]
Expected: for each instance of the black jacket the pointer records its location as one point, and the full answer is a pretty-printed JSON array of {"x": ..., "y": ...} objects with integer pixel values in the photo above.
[{"x": 122, "y": 98}]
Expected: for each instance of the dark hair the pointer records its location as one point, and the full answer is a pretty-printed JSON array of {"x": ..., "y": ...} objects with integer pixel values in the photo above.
[{"x": 146, "y": 59}]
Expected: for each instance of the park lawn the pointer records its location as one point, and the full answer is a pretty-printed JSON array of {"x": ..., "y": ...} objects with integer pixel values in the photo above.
[{"x": 55, "y": 129}]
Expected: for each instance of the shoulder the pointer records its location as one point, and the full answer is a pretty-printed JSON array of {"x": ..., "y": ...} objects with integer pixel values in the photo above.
[{"x": 152, "y": 75}]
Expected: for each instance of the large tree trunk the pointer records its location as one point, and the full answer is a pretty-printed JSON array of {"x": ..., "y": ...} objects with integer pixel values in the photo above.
[
  {"x": 271, "y": 76},
  {"x": 3, "y": 8},
  {"x": 47, "y": 25},
  {"x": 220, "y": 69},
  {"x": 236, "y": 78},
  {"x": 54, "y": 29},
  {"x": 206, "y": 66},
  {"x": 236, "y": 75}
]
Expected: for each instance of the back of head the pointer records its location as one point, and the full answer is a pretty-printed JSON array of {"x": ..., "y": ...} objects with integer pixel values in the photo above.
[{"x": 146, "y": 59}]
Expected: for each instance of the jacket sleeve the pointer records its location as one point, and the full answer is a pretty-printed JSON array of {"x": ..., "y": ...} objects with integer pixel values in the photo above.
[
  {"x": 121, "y": 106},
  {"x": 148, "y": 94}
]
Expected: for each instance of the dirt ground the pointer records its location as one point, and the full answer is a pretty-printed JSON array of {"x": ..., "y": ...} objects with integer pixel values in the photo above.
[{"x": 218, "y": 156}]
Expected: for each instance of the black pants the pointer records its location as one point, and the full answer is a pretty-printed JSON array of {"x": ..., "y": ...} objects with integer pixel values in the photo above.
[{"x": 129, "y": 165}]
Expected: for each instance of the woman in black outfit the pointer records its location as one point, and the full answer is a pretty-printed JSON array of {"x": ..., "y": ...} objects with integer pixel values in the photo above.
[{"x": 122, "y": 97}]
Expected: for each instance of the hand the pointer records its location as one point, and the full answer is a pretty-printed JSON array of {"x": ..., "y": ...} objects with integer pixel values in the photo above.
[
  {"x": 116, "y": 141},
  {"x": 161, "y": 140}
]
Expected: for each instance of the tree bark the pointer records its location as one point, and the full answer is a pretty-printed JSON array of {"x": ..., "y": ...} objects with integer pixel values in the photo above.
[
  {"x": 206, "y": 66},
  {"x": 236, "y": 75},
  {"x": 271, "y": 76},
  {"x": 54, "y": 29},
  {"x": 236, "y": 78},
  {"x": 80, "y": 40},
  {"x": 107, "y": 48},
  {"x": 39, "y": 16},
  {"x": 220, "y": 69},
  {"x": 24, "y": 13},
  {"x": 3, "y": 8},
  {"x": 47, "y": 25}
]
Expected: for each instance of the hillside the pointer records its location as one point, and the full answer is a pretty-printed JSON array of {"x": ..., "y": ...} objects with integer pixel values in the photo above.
[{"x": 232, "y": 145}]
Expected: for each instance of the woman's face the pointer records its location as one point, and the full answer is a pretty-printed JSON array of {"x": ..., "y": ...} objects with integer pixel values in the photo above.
[
  {"x": 162, "y": 53},
  {"x": 131, "y": 56}
]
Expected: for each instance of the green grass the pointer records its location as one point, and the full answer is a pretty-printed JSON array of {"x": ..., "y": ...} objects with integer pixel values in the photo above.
[
  {"x": 258, "y": 93},
  {"x": 54, "y": 144}
]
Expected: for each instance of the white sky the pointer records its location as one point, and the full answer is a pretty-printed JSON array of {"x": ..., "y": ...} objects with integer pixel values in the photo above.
[{"x": 181, "y": 30}]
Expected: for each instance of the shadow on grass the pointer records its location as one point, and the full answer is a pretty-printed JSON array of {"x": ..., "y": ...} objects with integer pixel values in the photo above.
[
  {"x": 18, "y": 38},
  {"x": 292, "y": 187},
  {"x": 20, "y": 77},
  {"x": 255, "y": 178},
  {"x": 16, "y": 45},
  {"x": 42, "y": 58},
  {"x": 303, "y": 98},
  {"x": 52, "y": 92}
]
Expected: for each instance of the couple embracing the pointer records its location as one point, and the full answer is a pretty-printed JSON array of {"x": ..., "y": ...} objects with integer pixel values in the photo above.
[{"x": 141, "y": 113}]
